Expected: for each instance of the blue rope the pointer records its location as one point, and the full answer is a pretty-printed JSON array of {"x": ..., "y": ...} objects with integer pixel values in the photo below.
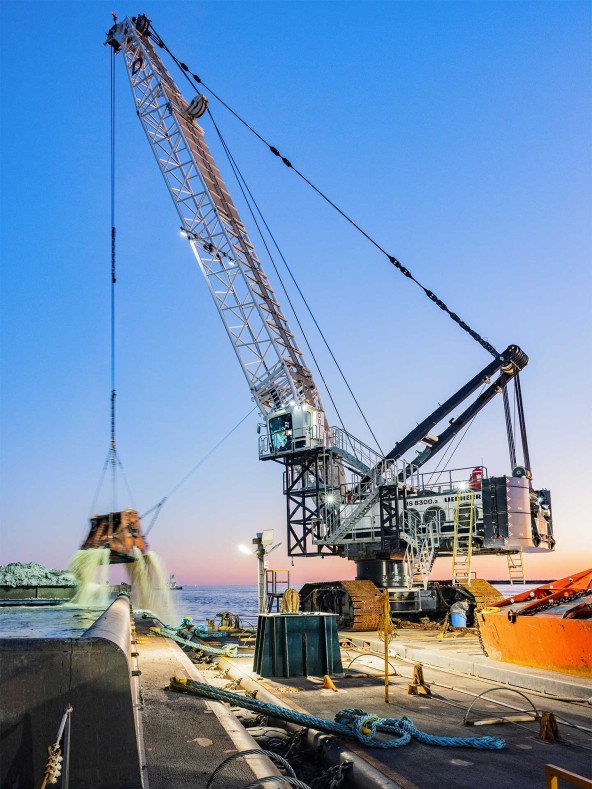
[
  {"x": 230, "y": 650},
  {"x": 350, "y": 722}
]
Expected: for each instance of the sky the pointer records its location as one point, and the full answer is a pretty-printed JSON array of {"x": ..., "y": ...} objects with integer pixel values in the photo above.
[{"x": 455, "y": 133}]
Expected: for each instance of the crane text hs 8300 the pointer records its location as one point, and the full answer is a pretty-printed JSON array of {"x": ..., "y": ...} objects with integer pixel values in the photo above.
[{"x": 343, "y": 498}]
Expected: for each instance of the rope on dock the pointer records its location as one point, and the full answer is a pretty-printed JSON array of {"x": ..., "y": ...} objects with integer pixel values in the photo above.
[
  {"x": 230, "y": 650},
  {"x": 349, "y": 722},
  {"x": 275, "y": 757}
]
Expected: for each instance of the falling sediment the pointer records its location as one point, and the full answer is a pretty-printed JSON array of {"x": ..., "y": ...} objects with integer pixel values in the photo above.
[
  {"x": 150, "y": 587},
  {"x": 91, "y": 570}
]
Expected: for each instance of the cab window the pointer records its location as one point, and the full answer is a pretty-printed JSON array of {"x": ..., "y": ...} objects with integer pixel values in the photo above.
[{"x": 280, "y": 429}]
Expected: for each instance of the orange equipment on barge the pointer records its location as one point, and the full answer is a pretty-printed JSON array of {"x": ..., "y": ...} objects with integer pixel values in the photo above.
[{"x": 549, "y": 627}]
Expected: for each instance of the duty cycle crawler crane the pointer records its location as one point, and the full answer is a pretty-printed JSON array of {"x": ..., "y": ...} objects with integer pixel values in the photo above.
[{"x": 342, "y": 497}]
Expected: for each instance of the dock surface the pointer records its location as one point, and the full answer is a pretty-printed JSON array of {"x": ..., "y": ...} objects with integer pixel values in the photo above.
[
  {"x": 417, "y": 766},
  {"x": 186, "y": 738}
]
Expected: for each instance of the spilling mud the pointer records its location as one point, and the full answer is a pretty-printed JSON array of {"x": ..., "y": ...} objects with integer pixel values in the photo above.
[
  {"x": 91, "y": 570},
  {"x": 148, "y": 579},
  {"x": 150, "y": 586}
]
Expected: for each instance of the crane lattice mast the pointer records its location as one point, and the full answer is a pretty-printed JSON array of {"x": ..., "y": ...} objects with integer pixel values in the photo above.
[{"x": 266, "y": 348}]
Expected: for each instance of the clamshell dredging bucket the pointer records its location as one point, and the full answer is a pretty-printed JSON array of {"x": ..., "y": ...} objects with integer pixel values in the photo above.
[{"x": 118, "y": 531}]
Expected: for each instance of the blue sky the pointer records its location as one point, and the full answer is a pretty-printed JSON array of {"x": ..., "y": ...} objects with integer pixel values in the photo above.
[{"x": 456, "y": 133}]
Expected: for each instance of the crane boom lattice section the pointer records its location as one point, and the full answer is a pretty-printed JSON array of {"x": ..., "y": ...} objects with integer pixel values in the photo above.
[{"x": 259, "y": 332}]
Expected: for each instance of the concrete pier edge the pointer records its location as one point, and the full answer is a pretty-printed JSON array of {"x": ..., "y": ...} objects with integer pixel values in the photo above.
[{"x": 260, "y": 765}]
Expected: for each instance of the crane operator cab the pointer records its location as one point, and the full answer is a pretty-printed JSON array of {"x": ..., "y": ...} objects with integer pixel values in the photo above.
[{"x": 294, "y": 428}]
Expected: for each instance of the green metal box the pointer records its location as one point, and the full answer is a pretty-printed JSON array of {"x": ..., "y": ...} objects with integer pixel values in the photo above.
[{"x": 297, "y": 645}]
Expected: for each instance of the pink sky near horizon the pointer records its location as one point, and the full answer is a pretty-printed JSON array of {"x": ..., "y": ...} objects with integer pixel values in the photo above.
[{"x": 537, "y": 567}]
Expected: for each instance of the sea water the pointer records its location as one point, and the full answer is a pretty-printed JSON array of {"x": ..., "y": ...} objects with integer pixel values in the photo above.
[
  {"x": 59, "y": 621},
  {"x": 205, "y": 602},
  {"x": 199, "y": 602}
]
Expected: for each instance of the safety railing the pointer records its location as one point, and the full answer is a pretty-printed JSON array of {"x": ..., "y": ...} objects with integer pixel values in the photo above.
[
  {"x": 553, "y": 774},
  {"x": 315, "y": 436},
  {"x": 341, "y": 439},
  {"x": 300, "y": 439}
]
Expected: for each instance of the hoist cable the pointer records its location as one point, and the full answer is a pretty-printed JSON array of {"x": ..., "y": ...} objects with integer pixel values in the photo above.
[
  {"x": 240, "y": 177},
  {"x": 521, "y": 421},
  {"x": 113, "y": 281},
  {"x": 125, "y": 479},
  {"x": 194, "y": 78},
  {"x": 515, "y": 420},
  {"x": 112, "y": 461},
  {"x": 100, "y": 484},
  {"x": 157, "y": 507},
  {"x": 459, "y": 442},
  {"x": 240, "y": 180},
  {"x": 509, "y": 428}
]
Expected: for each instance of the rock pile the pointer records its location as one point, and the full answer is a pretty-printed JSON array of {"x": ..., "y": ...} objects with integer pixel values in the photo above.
[{"x": 33, "y": 574}]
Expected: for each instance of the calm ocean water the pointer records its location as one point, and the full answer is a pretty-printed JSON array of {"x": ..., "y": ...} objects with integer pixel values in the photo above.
[
  {"x": 204, "y": 602},
  {"x": 199, "y": 602},
  {"x": 22, "y": 621}
]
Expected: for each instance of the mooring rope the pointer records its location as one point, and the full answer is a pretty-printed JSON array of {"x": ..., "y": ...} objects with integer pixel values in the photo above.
[
  {"x": 349, "y": 722},
  {"x": 230, "y": 650}
]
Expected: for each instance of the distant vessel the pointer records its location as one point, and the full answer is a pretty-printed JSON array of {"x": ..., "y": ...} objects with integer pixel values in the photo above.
[
  {"x": 172, "y": 583},
  {"x": 549, "y": 627}
]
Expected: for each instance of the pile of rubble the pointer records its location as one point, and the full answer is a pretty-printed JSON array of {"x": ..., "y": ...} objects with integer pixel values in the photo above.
[{"x": 33, "y": 574}]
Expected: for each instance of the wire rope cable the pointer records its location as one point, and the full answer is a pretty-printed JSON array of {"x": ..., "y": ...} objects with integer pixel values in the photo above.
[
  {"x": 158, "y": 506},
  {"x": 112, "y": 446},
  {"x": 194, "y": 80},
  {"x": 279, "y": 761},
  {"x": 509, "y": 428},
  {"x": 445, "y": 459},
  {"x": 113, "y": 460}
]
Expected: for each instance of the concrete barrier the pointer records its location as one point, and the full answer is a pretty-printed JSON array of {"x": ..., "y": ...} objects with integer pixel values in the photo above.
[
  {"x": 37, "y": 592},
  {"x": 39, "y": 677}
]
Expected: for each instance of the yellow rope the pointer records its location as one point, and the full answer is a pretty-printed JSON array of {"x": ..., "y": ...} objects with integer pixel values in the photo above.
[
  {"x": 290, "y": 601},
  {"x": 386, "y": 631},
  {"x": 386, "y": 628}
]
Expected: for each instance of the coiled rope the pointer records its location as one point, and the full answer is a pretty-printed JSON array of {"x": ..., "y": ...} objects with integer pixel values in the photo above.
[
  {"x": 276, "y": 758},
  {"x": 349, "y": 722},
  {"x": 290, "y": 601}
]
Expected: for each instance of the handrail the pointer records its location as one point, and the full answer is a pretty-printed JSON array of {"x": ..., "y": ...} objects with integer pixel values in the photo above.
[{"x": 554, "y": 773}]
